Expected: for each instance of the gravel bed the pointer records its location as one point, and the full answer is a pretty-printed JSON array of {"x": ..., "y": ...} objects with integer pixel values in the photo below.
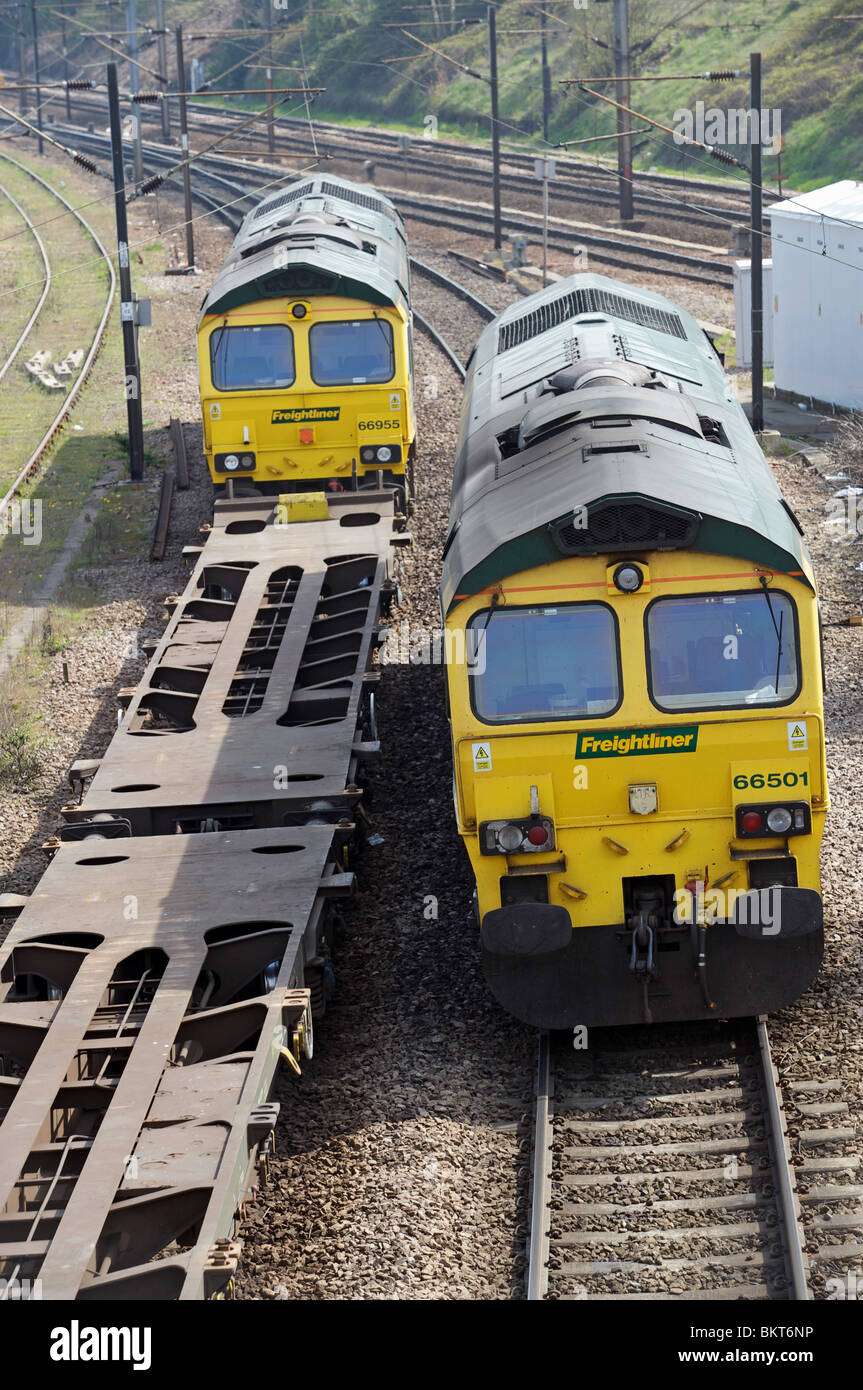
[{"x": 714, "y": 304}]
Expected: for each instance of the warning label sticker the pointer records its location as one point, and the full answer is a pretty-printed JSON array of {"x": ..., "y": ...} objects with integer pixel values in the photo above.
[
  {"x": 797, "y": 735},
  {"x": 481, "y": 757}
]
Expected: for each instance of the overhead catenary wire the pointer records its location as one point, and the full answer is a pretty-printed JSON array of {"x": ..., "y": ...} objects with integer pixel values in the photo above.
[
  {"x": 159, "y": 76},
  {"x": 157, "y": 180},
  {"x": 765, "y": 188},
  {"x": 437, "y": 51},
  {"x": 77, "y": 158},
  {"x": 675, "y": 201},
  {"x": 11, "y": 236},
  {"x": 715, "y": 151}
]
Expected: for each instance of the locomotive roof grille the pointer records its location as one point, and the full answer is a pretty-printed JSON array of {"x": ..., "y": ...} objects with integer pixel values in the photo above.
[
  {"x": 585, "y": 301},
  {"x": 622, "y": 525},
  {"x": 361, "y": 200},
  {"x": 268, "y": 208}
]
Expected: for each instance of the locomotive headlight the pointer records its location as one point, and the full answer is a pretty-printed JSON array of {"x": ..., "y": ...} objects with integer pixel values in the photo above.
[
  {"x": 231, "y": 462},
  {"x": 384, "y": 454},
  {"x": 533, "y": 835},
  {"x": 509, "y": 837},
  {"x": 794, "y": 818},
  {"x": 628, "y": 578}
]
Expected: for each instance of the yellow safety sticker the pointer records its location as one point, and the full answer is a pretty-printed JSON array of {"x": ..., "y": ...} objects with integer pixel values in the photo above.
[{"x": 481, "y": 757}]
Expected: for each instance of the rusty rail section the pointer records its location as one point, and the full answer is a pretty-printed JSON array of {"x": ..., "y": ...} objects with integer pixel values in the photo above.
[
  {"x": 181, "y": 460},
  {"x": 169, "y": 956},
  {"x": 163, "y": 516}
]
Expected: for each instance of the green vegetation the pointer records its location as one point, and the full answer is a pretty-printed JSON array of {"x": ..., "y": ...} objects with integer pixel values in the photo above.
[
  {"x": 812, "y": 70},
  {"x": 21, "y": 764},
  {"x": 121, "y": 527},
  {"x": 22, "y": 743},
  {"x": 93, "y": 445}
]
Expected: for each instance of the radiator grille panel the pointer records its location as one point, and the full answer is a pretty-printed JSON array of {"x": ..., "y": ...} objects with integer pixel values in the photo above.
[
  {"x": 569, "y": 306},
  {"x": 360, "y": 200},
  {"x": 283, "y": 201},
  {"x": 625, "y": 525}
]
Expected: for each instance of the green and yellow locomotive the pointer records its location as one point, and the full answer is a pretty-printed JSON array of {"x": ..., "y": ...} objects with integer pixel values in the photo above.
[
  {"x": 304, "y": 344},
  {"x": 637, "y": 716}
]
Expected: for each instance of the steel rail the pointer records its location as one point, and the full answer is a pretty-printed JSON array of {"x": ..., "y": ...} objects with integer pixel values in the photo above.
[
  {"x": 791, "y": 1277},
  {"x": 438, "y": 277},
  {"x": 537, "y": 1260},
  {"x": 465, "y": 219},
  {"x": 796, "y": 1260},
  {"x": 528, "y": 224},
  {"x": 45, "y": 287},
  {"x": 35, "y": 458},
  {"x": 425, "y": 326},
  {"x": 566, "y": 189},
  {"x": 368, "y": 139}
]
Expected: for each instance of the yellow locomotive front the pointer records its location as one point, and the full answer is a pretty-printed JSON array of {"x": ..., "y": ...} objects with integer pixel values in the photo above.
[
  {"x": 306, "y": 391},
  {"x": 636, "y": 747},
  {"x": 304, "y": 345},
  {"x": 634, "y": 674}
]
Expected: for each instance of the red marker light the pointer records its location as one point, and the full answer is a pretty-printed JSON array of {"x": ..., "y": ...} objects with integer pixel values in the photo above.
[
  {"x": 307, "y": 436},
  {"x": 537, "y": 834},
  {"x": 751, "y": 822}
]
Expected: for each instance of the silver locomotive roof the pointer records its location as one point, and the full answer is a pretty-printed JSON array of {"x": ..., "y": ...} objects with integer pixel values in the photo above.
[
  {"x": 321, "y": 235},
  {"x": 597, "y": 419}
]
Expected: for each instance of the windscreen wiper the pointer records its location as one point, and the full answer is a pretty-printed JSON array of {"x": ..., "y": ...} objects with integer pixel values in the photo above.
[
  {"x": 777, "y": 628},
  {"x": 496, "y": 598},
  {"x": 381, "y": 327}
]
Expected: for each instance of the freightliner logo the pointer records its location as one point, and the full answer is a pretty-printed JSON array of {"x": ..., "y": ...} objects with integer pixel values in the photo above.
[
  {"x": 600, "y": 743},
  {"x": 300, "y": 415}
]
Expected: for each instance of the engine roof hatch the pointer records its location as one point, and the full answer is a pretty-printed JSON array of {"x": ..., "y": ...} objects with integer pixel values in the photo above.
[{"x": 602, "y": 393}]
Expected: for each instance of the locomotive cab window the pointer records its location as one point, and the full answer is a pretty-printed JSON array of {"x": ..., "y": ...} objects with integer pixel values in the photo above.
[
  {"x": 252, "y": 358},
  {"x": 359, "y": 353},
  {"x": 722, "y": 651},
  {"x": 539, "y": 664}
]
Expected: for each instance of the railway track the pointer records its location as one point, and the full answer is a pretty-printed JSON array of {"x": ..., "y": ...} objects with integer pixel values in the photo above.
[
  {"x": 655, "y": 195},
  {"x": 676, "y": 1165},
  {"x": 46, "y": 280},
  {"x": 468, "y": 332},
  {"x": 467, "y": 219},
  {"x": 48, "y": 434}
]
